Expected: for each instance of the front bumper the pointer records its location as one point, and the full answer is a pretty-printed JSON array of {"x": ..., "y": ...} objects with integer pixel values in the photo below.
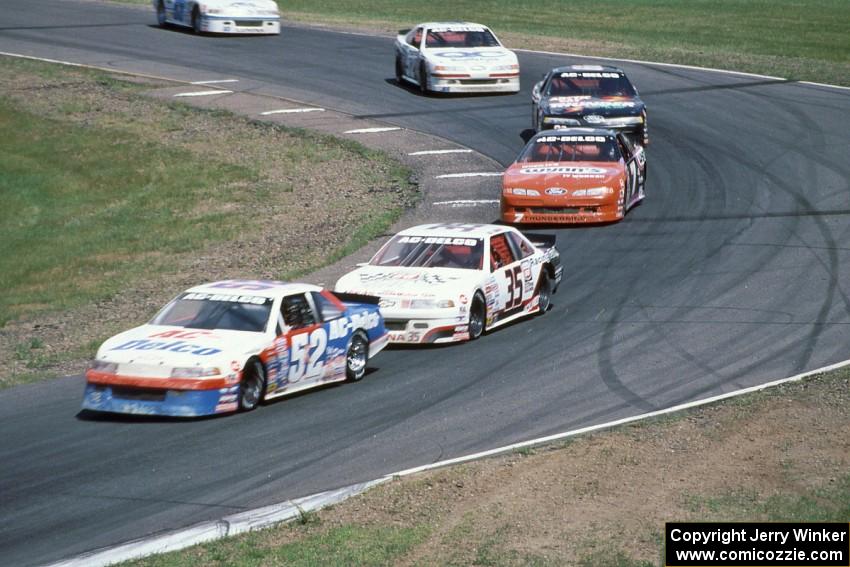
[
  {"x": 246, "y": 25},
  {"x": 538, "y": 211},
  {"x": 158, "y": 396},
  {"x": 474, "y": 85}
]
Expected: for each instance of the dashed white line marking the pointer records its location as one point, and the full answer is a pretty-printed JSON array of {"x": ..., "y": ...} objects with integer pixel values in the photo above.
[
  {"x": 370, "y": 130},
  {"x": 477, "y": 174},
  {"x": 467, "y": 202},
  {"x": 204, "y": 93},
  {"x": 291, "y": 111},
  {"x": 439, "y": 152},
  {"x": 215, "y": 82}
]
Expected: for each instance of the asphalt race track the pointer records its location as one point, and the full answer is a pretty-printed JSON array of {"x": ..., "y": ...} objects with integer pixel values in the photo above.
[{"x": 728, "y": 276}]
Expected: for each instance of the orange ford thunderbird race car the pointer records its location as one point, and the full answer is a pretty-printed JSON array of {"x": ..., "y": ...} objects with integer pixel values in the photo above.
[{"x": 575, "y": 175}]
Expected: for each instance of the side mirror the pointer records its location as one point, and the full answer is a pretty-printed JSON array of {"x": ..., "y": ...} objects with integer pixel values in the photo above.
[
  {"x": 404, "y": 31},
  {"x": 362, "y": 264}
]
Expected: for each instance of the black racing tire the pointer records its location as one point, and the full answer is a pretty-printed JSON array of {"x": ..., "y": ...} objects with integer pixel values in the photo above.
[
  {"x": 357, "y": 357},
  {"x": 196, "y": 20},
  {"x": 160, "y": 14},
  {"x": 544, "y": 291},
  {"x": 477, "y": 317},
  {"x": 399, "y": 73},
  {"x": 253, "y": 385},
  {"x": 423, "y": 78}
]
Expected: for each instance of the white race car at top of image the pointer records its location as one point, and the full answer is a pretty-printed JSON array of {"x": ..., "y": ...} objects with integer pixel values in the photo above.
[
  {"x": 441, "y": 283},
  {"x": 220, "y": 16},
  {"x": 455, "y": 57}
]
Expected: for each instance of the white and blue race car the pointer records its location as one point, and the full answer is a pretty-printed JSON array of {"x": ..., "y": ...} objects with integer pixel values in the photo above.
[
  {"x": 220, "y": 16},
  {"x": 455, "y": 57},
  {"x": 226, "y": 346}
]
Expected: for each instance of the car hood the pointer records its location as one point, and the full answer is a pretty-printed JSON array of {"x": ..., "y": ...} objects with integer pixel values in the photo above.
[
  {"x": 602, "y": 106},
  {"x": 571, "y": 174},
  {"x": 384, "y": 281},
  {"x": 164, "y": 347},
  {"x": 242, "y": 7},
  {"x": 478, "y": 56}
]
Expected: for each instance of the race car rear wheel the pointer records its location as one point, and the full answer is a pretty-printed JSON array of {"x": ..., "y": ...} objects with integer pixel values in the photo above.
[
  {"x": 477, "y": 317},
  {"x": 160, "y": 14},
  {"x": 196, "y": 21},
  {"x": 544, "y": 292},
  {"x": 423, "y": 77},
  {"x": 357, "y": 357},
  {"x": 252, "y": 386}
]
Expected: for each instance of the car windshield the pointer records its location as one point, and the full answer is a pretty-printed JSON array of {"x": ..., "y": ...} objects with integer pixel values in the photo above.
[
  {"x": 593, "y": 84},
  {"x": 216, "y": 311},
  {"x": 460, "y": 38},
  {"x": 431, "y": 252},
  {"x": 570, "y": 148}
]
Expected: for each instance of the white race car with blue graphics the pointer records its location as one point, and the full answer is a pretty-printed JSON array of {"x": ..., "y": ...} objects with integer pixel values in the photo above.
[
  {"x": 441, "y": 283},
  {"x": 455, "y": 57},
  {"x": 226, "y": 346},
  {"x": 220, "y": 16}
]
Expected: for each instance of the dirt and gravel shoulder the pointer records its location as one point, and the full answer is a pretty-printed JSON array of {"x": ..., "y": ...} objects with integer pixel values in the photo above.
[{"x": 598, "y": 500}]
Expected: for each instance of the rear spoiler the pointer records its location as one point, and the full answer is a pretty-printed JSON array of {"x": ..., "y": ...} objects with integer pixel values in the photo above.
[
  {"x": 541, "y": 240},
  {"x": 356, "y": 297}
]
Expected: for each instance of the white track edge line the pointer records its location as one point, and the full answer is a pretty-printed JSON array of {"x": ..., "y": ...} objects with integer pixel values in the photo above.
[
  {"x": 204, "y": 93},
  {"x": 277, "y": 513},
  {"x": 474, "y": 174},
  {"x": 372, "y": 130},
  {"x": 214, "y": 81},
  {"x": 439, "y": 152},
  {"x": 291, "y": 111}
]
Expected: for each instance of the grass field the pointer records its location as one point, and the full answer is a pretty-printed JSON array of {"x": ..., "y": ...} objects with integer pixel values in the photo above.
[
  {"x": 598, "y": 500},
  {"x": 113, "y": 202}
]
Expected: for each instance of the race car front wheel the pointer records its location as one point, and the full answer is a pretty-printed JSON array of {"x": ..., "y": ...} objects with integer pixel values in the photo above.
[
  {"x": 252, "y": 385},
  {"x": 423, "y": 77},
  {"x": 160, "y": 14},
  {"x": 196, "y": 20},
  {"x": 399, "y": 73},
  {"x": 357, "y": 357},
  {"x": 477, "y": 317},
  {"x": 544, "y": 292}
]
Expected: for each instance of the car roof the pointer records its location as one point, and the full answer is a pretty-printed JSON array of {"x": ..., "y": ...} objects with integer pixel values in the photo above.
[
  {"x": 455, "y": 229},
  {"x": 605, "y": 68},
  {"x": 451, "y": 24},
  {"x": 577, "y": 131},
  {"x": 261, "y": 288}
]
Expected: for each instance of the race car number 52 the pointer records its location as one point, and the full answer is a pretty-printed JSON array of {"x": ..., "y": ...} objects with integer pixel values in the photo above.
[
  {"x": 514, "y": 287},
  {"x": 318, "y": 341}
]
